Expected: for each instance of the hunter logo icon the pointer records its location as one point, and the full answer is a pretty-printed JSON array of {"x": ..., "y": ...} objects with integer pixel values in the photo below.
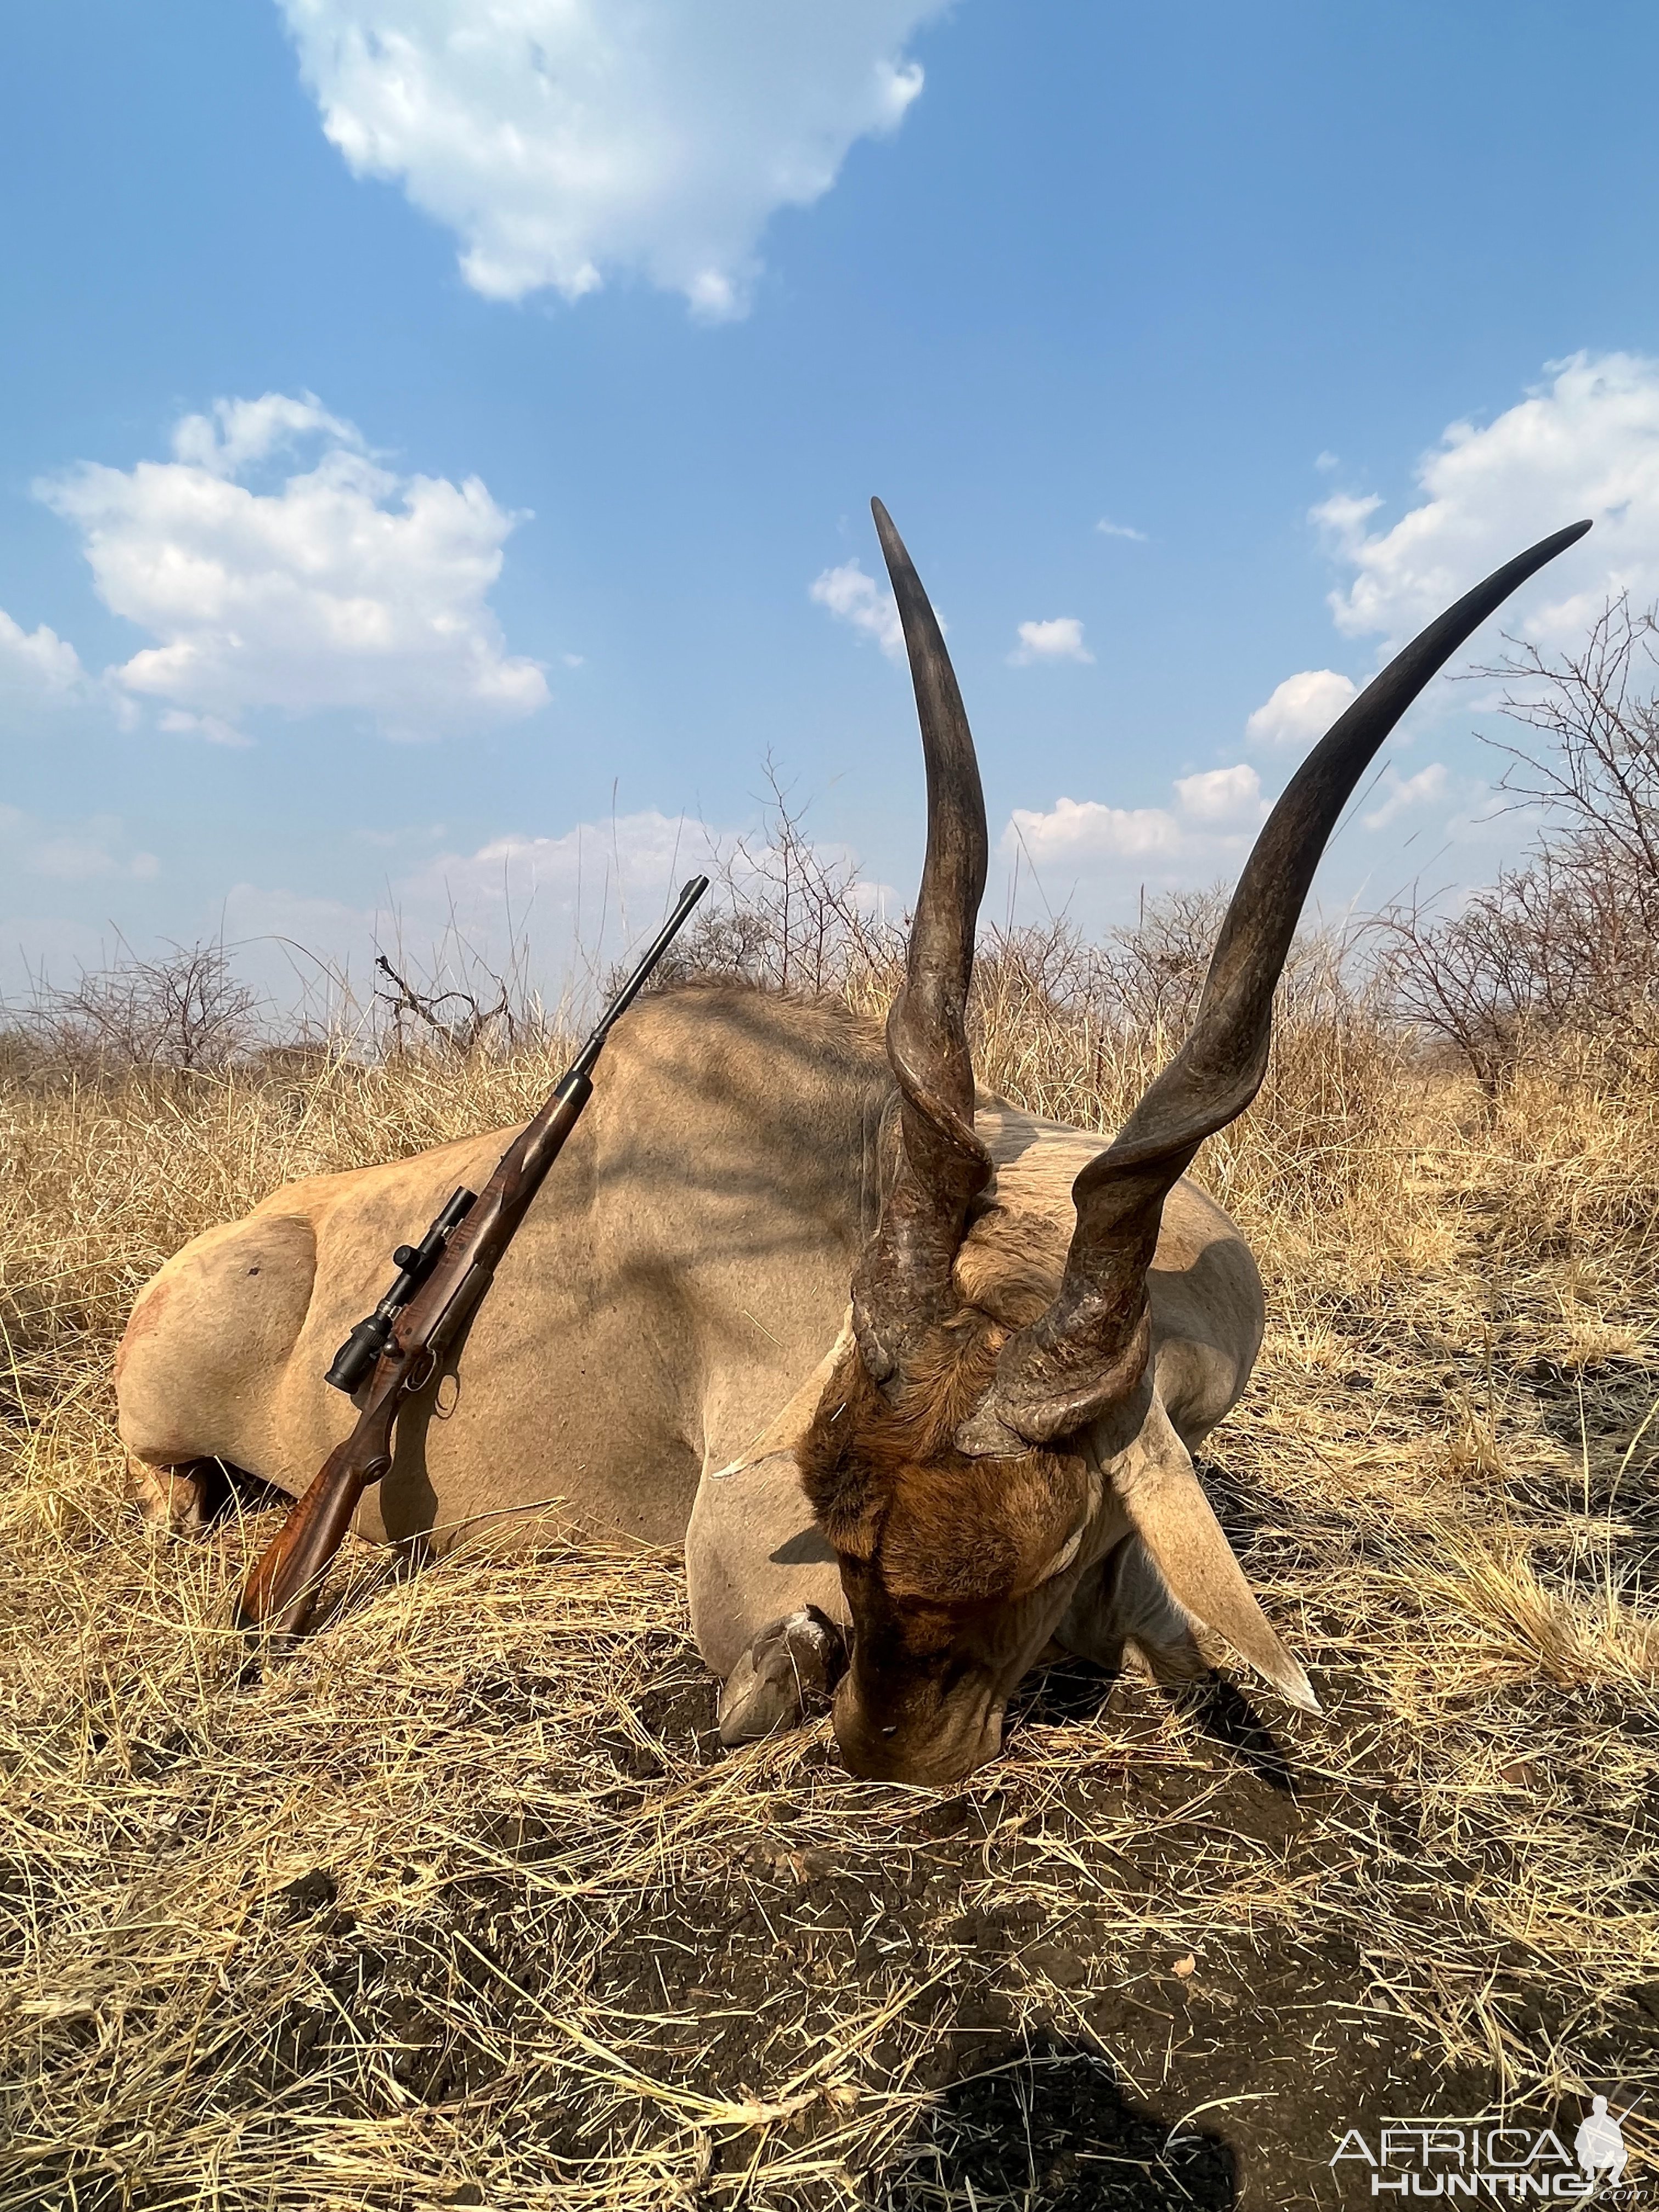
[
  {"x": 1601, "y": 2145},
  {"x": 1488, "y": 2160}
]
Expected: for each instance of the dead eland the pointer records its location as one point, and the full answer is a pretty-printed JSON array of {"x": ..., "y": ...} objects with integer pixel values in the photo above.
[{"x": 915, "y": 1377}]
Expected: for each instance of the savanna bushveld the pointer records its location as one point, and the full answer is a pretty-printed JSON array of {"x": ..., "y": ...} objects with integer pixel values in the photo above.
[{"x": 464, "y": 1903}]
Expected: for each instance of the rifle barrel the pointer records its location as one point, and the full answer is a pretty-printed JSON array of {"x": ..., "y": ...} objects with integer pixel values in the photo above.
[
  {"x": 636, "y": 982},
  {"x": 402, "y": 1344}
]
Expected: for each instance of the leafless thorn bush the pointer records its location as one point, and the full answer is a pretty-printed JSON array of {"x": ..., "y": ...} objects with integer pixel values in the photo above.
[
  {"x": 789, "y": 915},
  {"x": 456, "y": 1019},
  {"x": 1567, "y": 942},
  {"x": 184, "y": 1010},
  {"x": 454, "y": 1001}
]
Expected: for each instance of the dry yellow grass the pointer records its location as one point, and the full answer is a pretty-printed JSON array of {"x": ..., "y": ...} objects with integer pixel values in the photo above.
[{"x": 453, "y": 1910}]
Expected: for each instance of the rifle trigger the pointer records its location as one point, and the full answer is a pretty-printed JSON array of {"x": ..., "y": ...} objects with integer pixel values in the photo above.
[{"x": 422, "y": 1372}]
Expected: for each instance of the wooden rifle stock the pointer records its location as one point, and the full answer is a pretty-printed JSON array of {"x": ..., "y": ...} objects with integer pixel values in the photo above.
[{"x": 279, "y": 1598}]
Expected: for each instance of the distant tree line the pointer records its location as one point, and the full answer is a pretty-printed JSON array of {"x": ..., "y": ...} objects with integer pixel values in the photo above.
[{"x": 1564, "y": 942}]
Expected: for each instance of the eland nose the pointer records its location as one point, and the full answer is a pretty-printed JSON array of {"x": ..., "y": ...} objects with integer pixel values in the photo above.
[{"x": 937, "y": 1758}]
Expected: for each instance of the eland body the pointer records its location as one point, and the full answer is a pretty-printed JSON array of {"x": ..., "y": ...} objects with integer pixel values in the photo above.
[{"x": 915, "y": 1377}]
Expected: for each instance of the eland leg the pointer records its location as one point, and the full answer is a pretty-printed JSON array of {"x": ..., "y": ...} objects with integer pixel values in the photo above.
[
  {"x": 1125, "y": 1604},
  {"x": 767, "y": 1608},
  {"x": 188, "y": 1498},
  {"x": 786, "y": 1677},
  {"x": 178, "y": 1501}
]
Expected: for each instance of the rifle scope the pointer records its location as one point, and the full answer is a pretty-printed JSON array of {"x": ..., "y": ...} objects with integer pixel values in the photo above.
[{"x": 360, "y": 1354}]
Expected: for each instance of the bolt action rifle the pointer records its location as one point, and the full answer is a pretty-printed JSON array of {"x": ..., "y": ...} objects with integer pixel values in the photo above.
[{"x": 402, "y": 1344}]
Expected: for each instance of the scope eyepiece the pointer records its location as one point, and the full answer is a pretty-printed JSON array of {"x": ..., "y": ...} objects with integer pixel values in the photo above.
[{"x": 360, "y": 1354}]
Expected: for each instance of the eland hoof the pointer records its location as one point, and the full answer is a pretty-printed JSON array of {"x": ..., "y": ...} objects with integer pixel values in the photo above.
[
  {"x": 174, "y": 1501},
  {"x": 786, "y": 1677}
]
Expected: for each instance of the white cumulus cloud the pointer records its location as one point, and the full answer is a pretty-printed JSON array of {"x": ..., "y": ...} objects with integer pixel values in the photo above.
[
  {"x": 1059, "y": 640},
  {"x": 37, "y": 668},
  {"x": 592, "y": 878},
  {"x": 213, "y": 728},
  {"x": 1220, "y": 794},
  {"x": 239, "y": 431},
  {"x": 568, "y": 141},
  {"x": 1399, "y": 793},
  {"x": 1584, "y": 443},
  {"x": 1075, "y": 831},
  {"x": 73, "y": 852},
  {"x": 852, "y": 596},
  {"x": 1301, "y": 709},
  {"x": 557, "y": 911},
  {"x": 342, "y": 585},
  {"x": 1109, "y": 529},
  {"x": 1215, "y": 811}
]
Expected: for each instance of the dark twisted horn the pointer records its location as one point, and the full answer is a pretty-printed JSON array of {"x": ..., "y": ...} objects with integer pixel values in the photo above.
[
  {"x": 902, "y": 1284},
  {"x": 1090, "y": 1345}
]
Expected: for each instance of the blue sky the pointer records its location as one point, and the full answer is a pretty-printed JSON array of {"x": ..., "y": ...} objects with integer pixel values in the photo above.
[{"x": 437, "y": 437}]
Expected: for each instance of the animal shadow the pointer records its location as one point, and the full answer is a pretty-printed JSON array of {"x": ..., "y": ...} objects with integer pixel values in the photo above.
[
  {"x": 227, "y": 1492},
  {"x": 1221, "y": 1711},
  {"x": 1074, "y": 1691},
  {"x": 1048, "y": 2124}
]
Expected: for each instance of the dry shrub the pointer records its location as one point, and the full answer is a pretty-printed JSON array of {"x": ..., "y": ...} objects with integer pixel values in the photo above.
[
  {"x": 1566, "y": 944},
  {"x": 185, "y": 1009},
  {"x": 788, "y": 914}
]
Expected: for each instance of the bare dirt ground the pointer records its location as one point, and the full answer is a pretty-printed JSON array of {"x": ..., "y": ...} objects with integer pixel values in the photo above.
[{"x": 463, "y": 1906}]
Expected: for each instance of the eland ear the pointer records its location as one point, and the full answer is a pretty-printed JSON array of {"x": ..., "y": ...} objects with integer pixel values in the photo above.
[{"x": 1155, "y": 1480}]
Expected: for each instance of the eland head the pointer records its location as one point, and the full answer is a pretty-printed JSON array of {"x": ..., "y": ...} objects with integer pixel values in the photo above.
[{"x": 993, "y": 1428}]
